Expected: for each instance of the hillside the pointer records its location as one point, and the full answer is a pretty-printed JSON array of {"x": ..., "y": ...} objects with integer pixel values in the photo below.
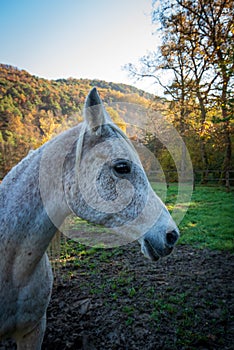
[{"x": 33, "y": 109}]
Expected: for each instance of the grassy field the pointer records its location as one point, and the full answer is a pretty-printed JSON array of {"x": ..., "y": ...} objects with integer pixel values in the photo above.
[{"x": 208, "y": 222}]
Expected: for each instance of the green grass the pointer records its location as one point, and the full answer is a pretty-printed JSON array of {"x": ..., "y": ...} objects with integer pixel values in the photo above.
[{"x": 208, "y": 223}]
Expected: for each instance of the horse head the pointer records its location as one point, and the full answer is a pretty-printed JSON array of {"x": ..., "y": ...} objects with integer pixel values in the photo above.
[{"x": 106, "y": 184}]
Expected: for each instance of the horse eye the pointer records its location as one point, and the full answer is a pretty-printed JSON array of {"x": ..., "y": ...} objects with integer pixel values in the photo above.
[{"x": 122, "y": 167}]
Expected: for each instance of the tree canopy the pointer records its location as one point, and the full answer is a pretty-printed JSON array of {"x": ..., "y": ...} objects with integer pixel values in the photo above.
[
  {"x": 32, "y": 109},
  {"x": 197, "y": 49}
]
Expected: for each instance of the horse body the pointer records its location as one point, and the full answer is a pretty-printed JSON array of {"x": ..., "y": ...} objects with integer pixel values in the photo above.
[
  {"x": 26, "y": 231},
  {"x": 25, "y": 273},
  {"x": 39, "y": 193}
]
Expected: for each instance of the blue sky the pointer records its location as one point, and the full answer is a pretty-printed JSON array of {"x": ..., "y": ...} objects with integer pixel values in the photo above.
[{"x": 76, "y": 38}]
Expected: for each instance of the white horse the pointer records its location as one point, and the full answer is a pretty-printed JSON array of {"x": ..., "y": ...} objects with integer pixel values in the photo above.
[{"x": 50, "y": 184}]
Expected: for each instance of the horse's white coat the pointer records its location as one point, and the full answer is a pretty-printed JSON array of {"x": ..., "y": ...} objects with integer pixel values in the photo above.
[{"x": 36, "y": 196}]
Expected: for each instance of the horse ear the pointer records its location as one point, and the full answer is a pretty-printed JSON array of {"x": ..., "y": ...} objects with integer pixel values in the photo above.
[{"x": 94, "y": 111}]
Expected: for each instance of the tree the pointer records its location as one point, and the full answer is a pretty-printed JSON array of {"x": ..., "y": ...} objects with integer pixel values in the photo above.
[
  {"x": 214, "y": 31},
  {"x": 197, "y": 48}
]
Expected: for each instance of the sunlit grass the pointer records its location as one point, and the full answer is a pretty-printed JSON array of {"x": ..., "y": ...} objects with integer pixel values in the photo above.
[{"x": 208, "y": 222}]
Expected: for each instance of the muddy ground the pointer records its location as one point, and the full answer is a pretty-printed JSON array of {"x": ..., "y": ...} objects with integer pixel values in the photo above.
[{"x": 117, "y": 299}]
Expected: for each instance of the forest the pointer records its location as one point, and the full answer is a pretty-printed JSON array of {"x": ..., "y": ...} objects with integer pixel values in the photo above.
[{"x": 33, "y": 109}]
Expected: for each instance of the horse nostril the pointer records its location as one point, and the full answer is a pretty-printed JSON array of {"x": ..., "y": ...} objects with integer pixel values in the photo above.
[{"x": 171, "y": 237}]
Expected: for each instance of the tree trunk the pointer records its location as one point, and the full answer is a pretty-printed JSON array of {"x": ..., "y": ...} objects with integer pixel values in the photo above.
[
  {"x": 204, "y": 155},
  {"x": 205, "y": 161},
  {"x": 227, "y": 159},
  {"x": 225, "y": 115}
]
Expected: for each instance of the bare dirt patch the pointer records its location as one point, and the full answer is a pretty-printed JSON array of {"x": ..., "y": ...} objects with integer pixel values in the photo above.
[{"x": 120, "y": 300}]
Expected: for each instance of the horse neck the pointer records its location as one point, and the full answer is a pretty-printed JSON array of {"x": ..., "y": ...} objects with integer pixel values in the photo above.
[{"x": 33, "y": 198}]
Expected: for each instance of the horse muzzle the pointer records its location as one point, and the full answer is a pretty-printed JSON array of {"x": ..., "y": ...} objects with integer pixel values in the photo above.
[{"x": 157, "y": 246}]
